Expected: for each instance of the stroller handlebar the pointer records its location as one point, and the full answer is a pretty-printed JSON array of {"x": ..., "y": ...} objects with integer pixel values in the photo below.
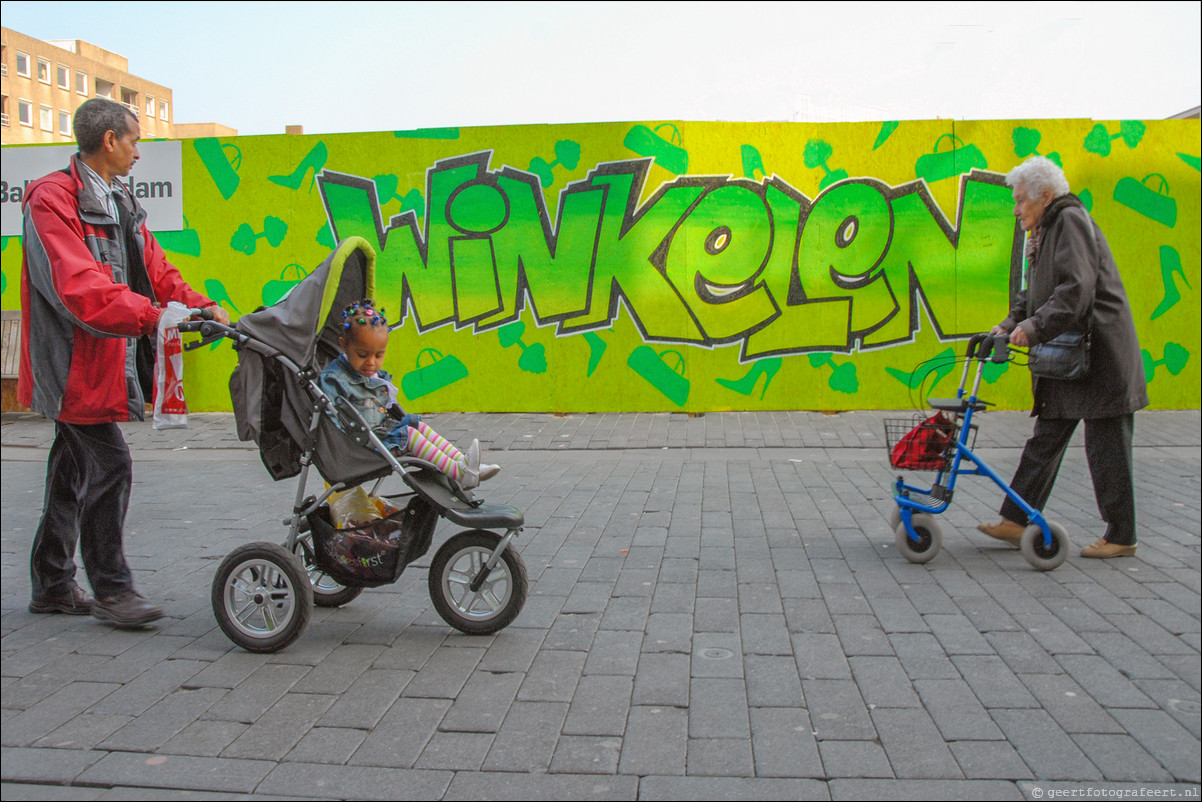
[{"x": 210, "y": 330}]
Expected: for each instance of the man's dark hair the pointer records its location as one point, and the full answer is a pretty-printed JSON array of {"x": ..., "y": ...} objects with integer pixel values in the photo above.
[{"x": 96, "y": 117}]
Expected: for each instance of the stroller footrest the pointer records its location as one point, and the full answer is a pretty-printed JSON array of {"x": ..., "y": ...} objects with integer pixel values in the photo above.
[{"x": 486, "y": 516}]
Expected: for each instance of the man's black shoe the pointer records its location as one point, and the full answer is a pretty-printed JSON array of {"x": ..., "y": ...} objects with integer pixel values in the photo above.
[
  {"x": 127, "y": 609},
  {"x": 73, "y": 602}
]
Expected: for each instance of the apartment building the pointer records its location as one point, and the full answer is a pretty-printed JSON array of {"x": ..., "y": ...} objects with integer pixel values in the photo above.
[{"x": 44, "y": 82}]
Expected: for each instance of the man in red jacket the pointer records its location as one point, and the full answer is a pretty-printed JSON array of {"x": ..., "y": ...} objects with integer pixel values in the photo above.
[{"x": 94, "y": 282}]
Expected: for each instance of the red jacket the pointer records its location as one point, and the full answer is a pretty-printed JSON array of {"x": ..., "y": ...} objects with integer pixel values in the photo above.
[{"x": 80, "y": 321}]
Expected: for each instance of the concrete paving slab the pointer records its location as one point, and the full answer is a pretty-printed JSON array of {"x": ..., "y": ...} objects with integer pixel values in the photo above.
[{"x": 716, "y": 611}]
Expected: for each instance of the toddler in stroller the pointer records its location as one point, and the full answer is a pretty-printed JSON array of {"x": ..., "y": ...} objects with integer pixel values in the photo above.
[
  {"x": 357, "y": 376},
  {"x": 263, "y": 593}
]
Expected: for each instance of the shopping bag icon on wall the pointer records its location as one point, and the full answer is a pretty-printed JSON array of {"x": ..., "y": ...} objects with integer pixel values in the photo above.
[
  {"x": 668, "y": 379},
  {"x": 936, "y": 166},
  {"x": 222, "y": 169},
  {"x": 667, "y": 152},
  {"x": 186, "y": 241},
  {"x": 1153, "y": 203},
  {"x": 275, "y": 291},
  {"x": 441, "y": 371}
]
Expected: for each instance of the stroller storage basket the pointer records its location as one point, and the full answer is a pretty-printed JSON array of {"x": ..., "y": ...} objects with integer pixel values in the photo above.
[
  {"x": 374, "y": 554},
  {"x": 919, "y": 444}
]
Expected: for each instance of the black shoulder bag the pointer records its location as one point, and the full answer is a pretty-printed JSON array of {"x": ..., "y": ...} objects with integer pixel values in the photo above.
[{"x": 1066, "y": 358}]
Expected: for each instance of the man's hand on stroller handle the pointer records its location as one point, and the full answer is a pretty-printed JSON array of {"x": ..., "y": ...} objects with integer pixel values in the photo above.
[
  {"x": 211, "y": 322},
  {"x": 214, "y": 312}
]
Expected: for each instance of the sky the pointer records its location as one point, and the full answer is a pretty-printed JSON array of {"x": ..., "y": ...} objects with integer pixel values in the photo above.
[{"x": 346, "y": 67}]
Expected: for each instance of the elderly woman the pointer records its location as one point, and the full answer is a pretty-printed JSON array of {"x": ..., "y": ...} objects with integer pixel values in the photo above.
[{"x": 1074, "y": 285}]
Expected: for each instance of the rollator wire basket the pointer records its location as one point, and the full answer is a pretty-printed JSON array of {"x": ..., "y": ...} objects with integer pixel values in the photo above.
[{"x": 922, "y": 443}]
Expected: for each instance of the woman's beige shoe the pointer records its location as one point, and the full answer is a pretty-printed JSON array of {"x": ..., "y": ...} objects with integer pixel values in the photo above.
[
  {"x": 1103, "y": 549},
  {"x": 1008, "y": 531}
]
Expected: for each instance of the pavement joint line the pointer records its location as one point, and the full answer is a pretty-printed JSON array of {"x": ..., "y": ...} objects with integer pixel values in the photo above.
[{"x": 717, "y": 613}]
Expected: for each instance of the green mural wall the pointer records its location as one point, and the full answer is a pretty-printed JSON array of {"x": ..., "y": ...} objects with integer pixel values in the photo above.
[{"x": 686, "y": 266}]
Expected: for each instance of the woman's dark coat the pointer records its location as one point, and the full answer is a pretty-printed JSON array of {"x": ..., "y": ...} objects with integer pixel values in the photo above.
[{"x": 1072, "y": 267}]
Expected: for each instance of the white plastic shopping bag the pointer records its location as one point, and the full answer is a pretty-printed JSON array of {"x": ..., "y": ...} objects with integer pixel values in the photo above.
[{"x": 170, "y": 409}]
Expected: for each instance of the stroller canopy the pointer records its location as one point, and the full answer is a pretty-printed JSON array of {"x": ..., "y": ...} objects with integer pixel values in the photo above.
[
  {"x": 272, "y": 404},
  {"x": 305, "y": 324}
]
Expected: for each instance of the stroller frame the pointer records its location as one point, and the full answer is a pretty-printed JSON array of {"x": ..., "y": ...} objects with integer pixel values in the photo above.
[
  {"x": 1044, "y": 544},
  {"x": 263, "y": 593}
]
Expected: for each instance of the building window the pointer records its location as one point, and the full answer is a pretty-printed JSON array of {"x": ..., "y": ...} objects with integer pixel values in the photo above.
[
  {"x": 47, "y": 118},
  {"x": 25, "y": 112},
  {"x": 43, "y": 70},
  {"x": 64, "y": 123},
  {"x": 62, "y": 77},
  {"x": 149, "y": 107},
  {"x": 81, "y": 83},
  {"x": 22, "y": 65},
  {"x": 162, "y": 110}
]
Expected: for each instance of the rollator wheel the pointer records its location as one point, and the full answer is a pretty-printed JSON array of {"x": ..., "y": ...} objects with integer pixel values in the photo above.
[
  {"x": 262, "y": 598},
  {"x": 930, "y": 538},
  {"x": 1045, "y": 557},
  {"x": 326, "y": 591},
  {"x": 894, "y": 518},
  {"x": 500, "y": 598}
]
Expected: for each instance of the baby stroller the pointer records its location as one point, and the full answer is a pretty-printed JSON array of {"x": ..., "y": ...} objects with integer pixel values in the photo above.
[
  {"x": 944, "y": 443},
  {"x": 263, "y": 593}
]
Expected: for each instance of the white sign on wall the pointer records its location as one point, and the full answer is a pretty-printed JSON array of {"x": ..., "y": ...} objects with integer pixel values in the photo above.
[{"x": 156, "y": 181}]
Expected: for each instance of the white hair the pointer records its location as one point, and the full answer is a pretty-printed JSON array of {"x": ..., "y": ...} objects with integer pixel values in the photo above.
[{"x": 1037, "y": 174}]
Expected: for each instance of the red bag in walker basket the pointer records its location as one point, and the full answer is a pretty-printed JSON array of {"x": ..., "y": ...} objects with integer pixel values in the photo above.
[{"x": 925, "y": 446}]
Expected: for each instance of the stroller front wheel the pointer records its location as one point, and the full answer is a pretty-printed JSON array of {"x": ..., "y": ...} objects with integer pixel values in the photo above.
[
  {"x": 499, "y": 598},
  {"x": 262, "y": 598}
]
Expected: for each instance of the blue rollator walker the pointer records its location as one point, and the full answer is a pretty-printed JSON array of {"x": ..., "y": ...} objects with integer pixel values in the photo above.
[{"x": 1044, "y": 544}]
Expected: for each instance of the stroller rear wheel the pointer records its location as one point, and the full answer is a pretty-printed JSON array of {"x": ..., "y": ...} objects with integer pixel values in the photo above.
[
  {"x": 262, "y": 598},
  {"x": 326, "y": 591},
  {"x": 499, "y": 597}
]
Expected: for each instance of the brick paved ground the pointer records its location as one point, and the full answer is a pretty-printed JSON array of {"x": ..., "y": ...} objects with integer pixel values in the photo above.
[{"x": 716, "y": 611}]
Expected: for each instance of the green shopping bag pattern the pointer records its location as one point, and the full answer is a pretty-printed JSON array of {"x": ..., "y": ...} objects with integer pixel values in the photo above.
[
  {"x": 185, "y": 242},
  {"x": 222, "y": 168},
  {"x": 936, "y": 165},
  {"x": 668, "y": 379},
  {"x": 1155, "y": 204},
  {"x": 275, "y": 290},
  {"x": 667, "y": 153},
  {"x": 425, "y": 379}
]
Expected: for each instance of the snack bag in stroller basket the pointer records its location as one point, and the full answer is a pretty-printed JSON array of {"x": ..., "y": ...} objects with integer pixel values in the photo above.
[{"x": 375, "y": 553}]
